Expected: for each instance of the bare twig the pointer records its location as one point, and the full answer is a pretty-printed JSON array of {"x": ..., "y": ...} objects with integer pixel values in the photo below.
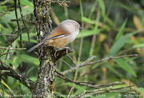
[
  {"x": 88, "y": 84},
  {"x": 88, "y": 62},
  {"x": 71, "y": 59},
  {"x": 12, "y": 37},
  {"x": 58, "y": 1},
  {"x": 7, "y": 34},
  {"x": 18, "y": 24},
  {"x": 23, "y": 20},
  {"x": 32, "y": 22},
  {"x": 99, "y": 89},
  {"x": 62, "y": 3},
  {"x": 10, "y": 48},
  {"x": 102, "y": 91},
  {"x": 66, "y": 63}
]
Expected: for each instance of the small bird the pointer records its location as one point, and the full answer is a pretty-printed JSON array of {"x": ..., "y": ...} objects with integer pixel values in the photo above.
[{"x": 62, "y": 35}]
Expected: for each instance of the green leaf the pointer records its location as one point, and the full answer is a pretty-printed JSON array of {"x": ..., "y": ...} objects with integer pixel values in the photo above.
[
  {"x": 138, "y": 46},
  {"x": 141, "y": 91},
  {"x": 112, "y": 69},
  {"x": 16, "y": 61},
  {"x": 30, "y": 59},
  {"x": 86, "y": 33},
  {"x": 8, "y": 61},
  {"x": 27, "y": 3},
  {"x": 25, "y": 37},
  {"x": 25, "y": 90},
  {"x": 7, "y": 86},
  {"x": 110, "y": 95},
  {"x": 121, "y": 30},
  {"x": 120, "y": 40},
  {"x": 118, "y": 45},
  {"x": 80, "y": 88},
  {"x": 33, "y": 78},
  {"x": 125, "y": 66},
  {"x": 87, "y": 20},
  {"x": 3, "y": 94},
  {"x": 102, "y": 6},
  {"x": 11, "y": 15}
]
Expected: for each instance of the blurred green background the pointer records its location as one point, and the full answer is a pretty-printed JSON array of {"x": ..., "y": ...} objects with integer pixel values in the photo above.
[{"x": 111, "y": 28}]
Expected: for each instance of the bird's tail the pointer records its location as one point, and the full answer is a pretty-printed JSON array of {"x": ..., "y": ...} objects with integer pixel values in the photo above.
[{"x": 34, "y": 47}]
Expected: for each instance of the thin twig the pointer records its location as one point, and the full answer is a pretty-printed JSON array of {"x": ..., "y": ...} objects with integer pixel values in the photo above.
[
  {"x": 88, "y": 84},
  {"x": 88, "y": 62},
  {"x": 8, "y": 71},
  {"x": 66, "y": 63},
  {"x": 23, "y": 20},
  {"x": 58, "y": 1},
  {"x": 7, "y": 53},
  {"x": 7, "y": 34},
  {"x": 10, "y": 48},
  {"x": 71, "y": 59},
  {"x": 62, "y": 3},
  {"x": 18, "y": 24},
  {"x": 102, "y": 91}
]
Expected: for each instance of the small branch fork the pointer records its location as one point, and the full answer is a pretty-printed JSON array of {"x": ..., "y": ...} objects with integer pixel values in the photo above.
[
  {"x": 88, "y": 84},
  {"x": 18, "y": 3},
  {"x": 21, "y": 24},
  {"x": 8, "y": 71},
  {"x": 98, "y": 89},
  {"x": 89, "y": 62}
]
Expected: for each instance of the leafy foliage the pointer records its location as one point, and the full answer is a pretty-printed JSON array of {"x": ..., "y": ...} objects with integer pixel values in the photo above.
[{"x": 111, "y": 28}]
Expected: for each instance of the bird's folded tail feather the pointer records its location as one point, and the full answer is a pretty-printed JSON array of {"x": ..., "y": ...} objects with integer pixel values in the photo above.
[{"x": 34, "y": 47}]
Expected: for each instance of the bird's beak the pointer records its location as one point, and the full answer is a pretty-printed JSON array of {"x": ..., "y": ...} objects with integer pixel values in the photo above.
[{"x": 81, "y": 28}]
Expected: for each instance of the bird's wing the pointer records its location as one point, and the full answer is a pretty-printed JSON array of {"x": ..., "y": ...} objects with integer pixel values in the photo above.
[
  {"x": 55, "y": 37},
  {"x": 46, "y": 39}
]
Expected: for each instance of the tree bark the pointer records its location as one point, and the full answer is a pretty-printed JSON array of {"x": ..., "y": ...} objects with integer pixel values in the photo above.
[
  {"x": 47, "y": 64},
  {"x": 47, "y": 55}
]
